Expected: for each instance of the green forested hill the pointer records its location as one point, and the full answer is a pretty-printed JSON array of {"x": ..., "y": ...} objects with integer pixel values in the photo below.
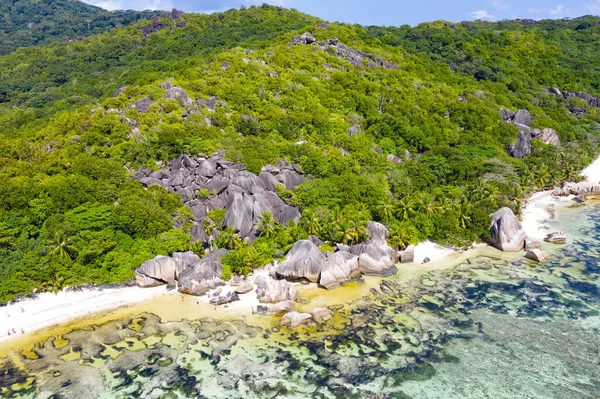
[
  {"x": 25, "y": 23},
  {"x": 399, "y": 125}
]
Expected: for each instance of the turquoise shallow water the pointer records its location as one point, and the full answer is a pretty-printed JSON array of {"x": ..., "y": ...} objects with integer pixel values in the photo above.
[{"x": 489, "y": 327}]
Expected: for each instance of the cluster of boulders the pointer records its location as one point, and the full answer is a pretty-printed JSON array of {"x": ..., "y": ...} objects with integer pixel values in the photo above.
[
  {"x": 296, "y": 319},
  {"x": 523, "y": 120},
  {"x": 222, "y": 184},
  {"x": 340, "y": 50},
  {"x": 192, "y": 275},
  {"x": 507, "y": 234},
  {"x": 578, "y": 189},
  {"x": 306, "y": 262},
  {"x": 173, "y": 93},
  {"x": 589, "y": 99}
]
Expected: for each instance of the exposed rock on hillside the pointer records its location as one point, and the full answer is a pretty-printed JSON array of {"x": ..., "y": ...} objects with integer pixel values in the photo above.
[
  {"x": 507, "y": 233},
  {"x": 178, "y": 94},
  {"x": 204, "y": 276},
  {"x": 590, "y": 100},
  {"x": 304, "y": 261},
  {"x": 142, "y": 105},
  {"x": 377, "y": 230},
  {"x": 522, "y": 147},
  {"x": 375, "y": 258},
  {"x": 548, "y": 136},
  {"x": 244, "y": 195},
  {"x": 340, "y": 50}
]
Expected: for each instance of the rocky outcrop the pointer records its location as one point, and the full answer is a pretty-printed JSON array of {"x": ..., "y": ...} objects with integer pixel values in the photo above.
[
  {"x": 295, "y": 319},
  {"x": 340, "y": 268},
  {"x": 506, "y": 231},
  {"x": 538, "y": 255},
  {"x": 158, "y": 271},
  {"x": 556, "y": 238},
  {"x": 548, "y": 136},
  {"x": 408, "y": 255},
  {"x": 333, "y": 46},
  {"x": 179, "y": 95},
  {"x": 521, "y": 117},
  {"x": 522, "y": 147},
  {"x": 377, "y": 230},
  {"x": 305, "y": 38},
  {"x": 227, "y": 298},
  {"x": 304, "y": 261},
  {"x": 584, "y": 188},
  {"x": 244, "y": 195},
  {"x": 269, "y": 290},
  {"x": 142, "y": 105},
  {"x": 375, "y": 258},
  {"x": 244, "y": 287},
  {"x": 204, "y": 276},
  {"x": 590, "y": 100},
  {"x": 321, "y": 314},
  {"x": 274, "y": 308},
  {"x": 530, "y": 244}
]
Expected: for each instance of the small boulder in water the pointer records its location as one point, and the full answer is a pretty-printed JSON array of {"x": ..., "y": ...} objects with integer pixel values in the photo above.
[
  {"x": 538, "y": 255},
  {"x": 321, "y": 314},
  {"x": 295, "y": 319},
  {"x": 530, "y": 244},
  {"x": 556, "y": 238},
  {"x": 408, "y": 255}
]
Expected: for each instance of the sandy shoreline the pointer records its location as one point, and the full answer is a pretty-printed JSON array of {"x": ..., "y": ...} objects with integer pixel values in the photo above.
[{"x": 49, "y": 310}]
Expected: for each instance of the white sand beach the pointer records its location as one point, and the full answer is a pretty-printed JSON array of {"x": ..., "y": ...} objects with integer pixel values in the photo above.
[{"x": 49, "y": 309}]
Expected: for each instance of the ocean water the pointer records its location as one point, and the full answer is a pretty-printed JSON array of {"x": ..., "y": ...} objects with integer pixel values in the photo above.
[{"x": 489, "y": 326}]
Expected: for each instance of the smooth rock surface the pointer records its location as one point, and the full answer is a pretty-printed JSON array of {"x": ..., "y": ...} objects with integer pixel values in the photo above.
[
  {"x": 295, "y": 319},
  {"x": 304, "y": 261},
  {"x": 204, "y": 276},
  {"x": 506, "y": 231},
  {"x": 269, "y": 290},
  {"x": 321, "y": 314},
  {"x": 538, "y": 255},
  {"x": 340, "y": 268}
]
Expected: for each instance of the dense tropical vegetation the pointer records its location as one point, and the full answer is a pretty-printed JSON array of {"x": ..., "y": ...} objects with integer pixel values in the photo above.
[
  {"x": 25, "y": 23},
  {"x": 70, "y": 212}
]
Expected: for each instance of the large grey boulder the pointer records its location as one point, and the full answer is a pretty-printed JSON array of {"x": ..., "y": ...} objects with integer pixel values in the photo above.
[
  {"x": 374, "y": 259},
  {"x": 522, "y": 117},
  {"x": 244, "y": 287},
  {"x": 305, "y": 38},
  {"x": 506, "y": 231},
  {"x": 206, "y": 168},
  {"x": 185, "y": 259},
  {"x": 269, "y": 290},
  {"x": 204, "y": 276},
  {"x": 238, "y": 213},
  {"x": 304, "y": 261},
  {"x": 376, "y": 229},
  {"x": 269, "y": 180},
  {"x": 179, "y": 95},
  {"x": 158, "y": 271},
  {"x": 142, "y": 105},
  {"x": 522, "y": 147},
  {"x": 548, "y": 136},
  {"x": 291, "y": 179},
  {"x": 340, "y": 268},
  {"x": 286, "y": 214}
]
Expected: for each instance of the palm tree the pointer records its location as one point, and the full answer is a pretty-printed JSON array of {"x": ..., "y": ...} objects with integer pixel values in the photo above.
[
  {"x": 427, "y": 205},
  {"x": 344, "y": 232},
  {"x": 400, "y": 236},
  {"x": 266, "y": 225},
  {"x": 465, "y": 210},
  {"x": 311, "y": 222},
  {"x": 229, "y": 239},
  {"x": 385, "y": 210},
  {"x": 447, "y": 204},
  {"x": 60, "y": 245},
  {"x": 405, "y": 208},
  {"x": 358, "y": 230},
  {"x": 209, "y": 227},
  {"x": 542, "y": 176}
]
